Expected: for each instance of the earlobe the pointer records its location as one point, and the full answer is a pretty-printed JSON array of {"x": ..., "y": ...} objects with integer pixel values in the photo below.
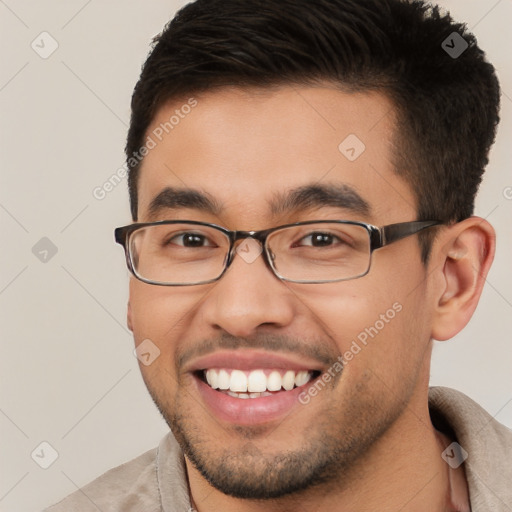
[{"x": 466, "y": 251}]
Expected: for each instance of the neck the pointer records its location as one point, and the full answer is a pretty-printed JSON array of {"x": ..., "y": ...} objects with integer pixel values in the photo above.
[{"x": 403, "y": 470}]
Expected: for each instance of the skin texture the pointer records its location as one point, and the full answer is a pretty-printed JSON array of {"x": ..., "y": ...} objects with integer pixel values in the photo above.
[{"x": 365, "y": 441}]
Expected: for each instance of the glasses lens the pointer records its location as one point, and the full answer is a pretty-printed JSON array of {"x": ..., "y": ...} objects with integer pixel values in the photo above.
[
  {"x": 320, "y": 252},
  {"x": 178, "y": 253}
]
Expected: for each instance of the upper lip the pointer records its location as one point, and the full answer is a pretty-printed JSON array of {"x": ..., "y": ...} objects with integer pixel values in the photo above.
[{"x": 247, "y": 360}]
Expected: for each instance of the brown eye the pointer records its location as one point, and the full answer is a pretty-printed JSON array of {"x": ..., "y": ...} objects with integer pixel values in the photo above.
[
  {"x": 190, "y": 240},
  {"x": 318, "y": 239}
]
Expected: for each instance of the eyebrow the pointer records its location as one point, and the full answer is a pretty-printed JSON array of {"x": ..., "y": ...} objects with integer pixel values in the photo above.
[
  {"x": 317, "y": 196},
  {"x": 179, "y": 198},
  {"x": 306, "y": 197}
]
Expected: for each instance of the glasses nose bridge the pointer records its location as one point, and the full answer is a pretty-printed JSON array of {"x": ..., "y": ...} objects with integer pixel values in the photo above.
[{"x": 260, "y": 236}]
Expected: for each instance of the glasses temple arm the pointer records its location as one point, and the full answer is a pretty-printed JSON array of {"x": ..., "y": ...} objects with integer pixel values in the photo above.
[{"x": 394, "y": 232}]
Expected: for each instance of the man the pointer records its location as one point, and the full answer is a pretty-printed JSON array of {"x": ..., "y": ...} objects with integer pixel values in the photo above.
[{"x": 302, "y": 182}]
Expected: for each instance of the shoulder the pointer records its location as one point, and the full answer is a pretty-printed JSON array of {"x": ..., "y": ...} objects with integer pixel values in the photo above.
[
  {"x": 486, "y": 444},
  {"x": 131, "y": 486}
]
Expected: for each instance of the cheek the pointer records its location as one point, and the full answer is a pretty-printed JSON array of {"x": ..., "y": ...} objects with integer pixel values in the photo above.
[
  {"x": 160, "y": 322},
  {"x": 344, "y": 310},
  {"x": 379, "y": 330},
  {"x": 161, "y": 313}
]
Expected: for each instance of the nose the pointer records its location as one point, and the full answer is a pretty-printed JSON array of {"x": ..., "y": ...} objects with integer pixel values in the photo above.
[{"x": 249, "y": 296}]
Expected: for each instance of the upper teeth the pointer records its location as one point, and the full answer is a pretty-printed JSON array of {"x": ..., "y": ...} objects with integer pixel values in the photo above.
[{"x": 256, "y": 380}]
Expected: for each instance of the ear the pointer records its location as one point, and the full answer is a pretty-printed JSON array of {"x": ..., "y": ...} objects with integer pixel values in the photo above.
[
  {"x": 129, "y": 317},
  {"x": 465, "y": 253}
]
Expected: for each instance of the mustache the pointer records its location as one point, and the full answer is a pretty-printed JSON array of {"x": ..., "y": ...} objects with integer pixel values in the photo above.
[{"x": 311, "y": 348}]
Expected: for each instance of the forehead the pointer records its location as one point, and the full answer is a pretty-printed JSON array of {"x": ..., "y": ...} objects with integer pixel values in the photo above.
[{"x": 248, "y": 149}]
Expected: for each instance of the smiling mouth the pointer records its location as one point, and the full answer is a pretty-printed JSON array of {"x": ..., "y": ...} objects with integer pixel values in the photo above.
[{"x": 255, "y": 383}]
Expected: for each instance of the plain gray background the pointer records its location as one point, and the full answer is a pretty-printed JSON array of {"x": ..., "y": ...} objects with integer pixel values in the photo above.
[{"x": 68, "y": 374}]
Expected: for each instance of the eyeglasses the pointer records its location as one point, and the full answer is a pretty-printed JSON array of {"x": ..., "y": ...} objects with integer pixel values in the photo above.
[{"x": 183, "y": 252}]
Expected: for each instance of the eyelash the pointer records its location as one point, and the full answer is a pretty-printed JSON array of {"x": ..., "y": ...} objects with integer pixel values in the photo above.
[{"x": 295, "y": 244}]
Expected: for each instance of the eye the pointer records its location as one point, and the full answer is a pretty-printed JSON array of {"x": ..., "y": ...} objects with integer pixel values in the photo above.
[
  {"x": 318, "y": 239},
  {"x": 191, "y": 240}
]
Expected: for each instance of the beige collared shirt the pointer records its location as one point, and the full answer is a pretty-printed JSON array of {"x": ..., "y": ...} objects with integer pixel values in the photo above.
[{"x": 156, "y": 481}]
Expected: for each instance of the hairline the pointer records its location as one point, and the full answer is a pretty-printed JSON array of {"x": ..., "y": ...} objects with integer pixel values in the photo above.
[
  {"x": 402, "y": 166},
  {"x": 395, "y": 143}
]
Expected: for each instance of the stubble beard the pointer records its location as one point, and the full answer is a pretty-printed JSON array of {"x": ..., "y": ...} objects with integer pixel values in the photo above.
[{"x": 330, "y": 455}]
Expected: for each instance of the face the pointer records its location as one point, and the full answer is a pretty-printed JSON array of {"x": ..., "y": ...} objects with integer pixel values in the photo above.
[{"x": 362, "y": 343}]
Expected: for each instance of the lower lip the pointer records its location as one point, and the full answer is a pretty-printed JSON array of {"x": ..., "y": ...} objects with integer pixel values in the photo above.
[{"x": 249, "y": 411}]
